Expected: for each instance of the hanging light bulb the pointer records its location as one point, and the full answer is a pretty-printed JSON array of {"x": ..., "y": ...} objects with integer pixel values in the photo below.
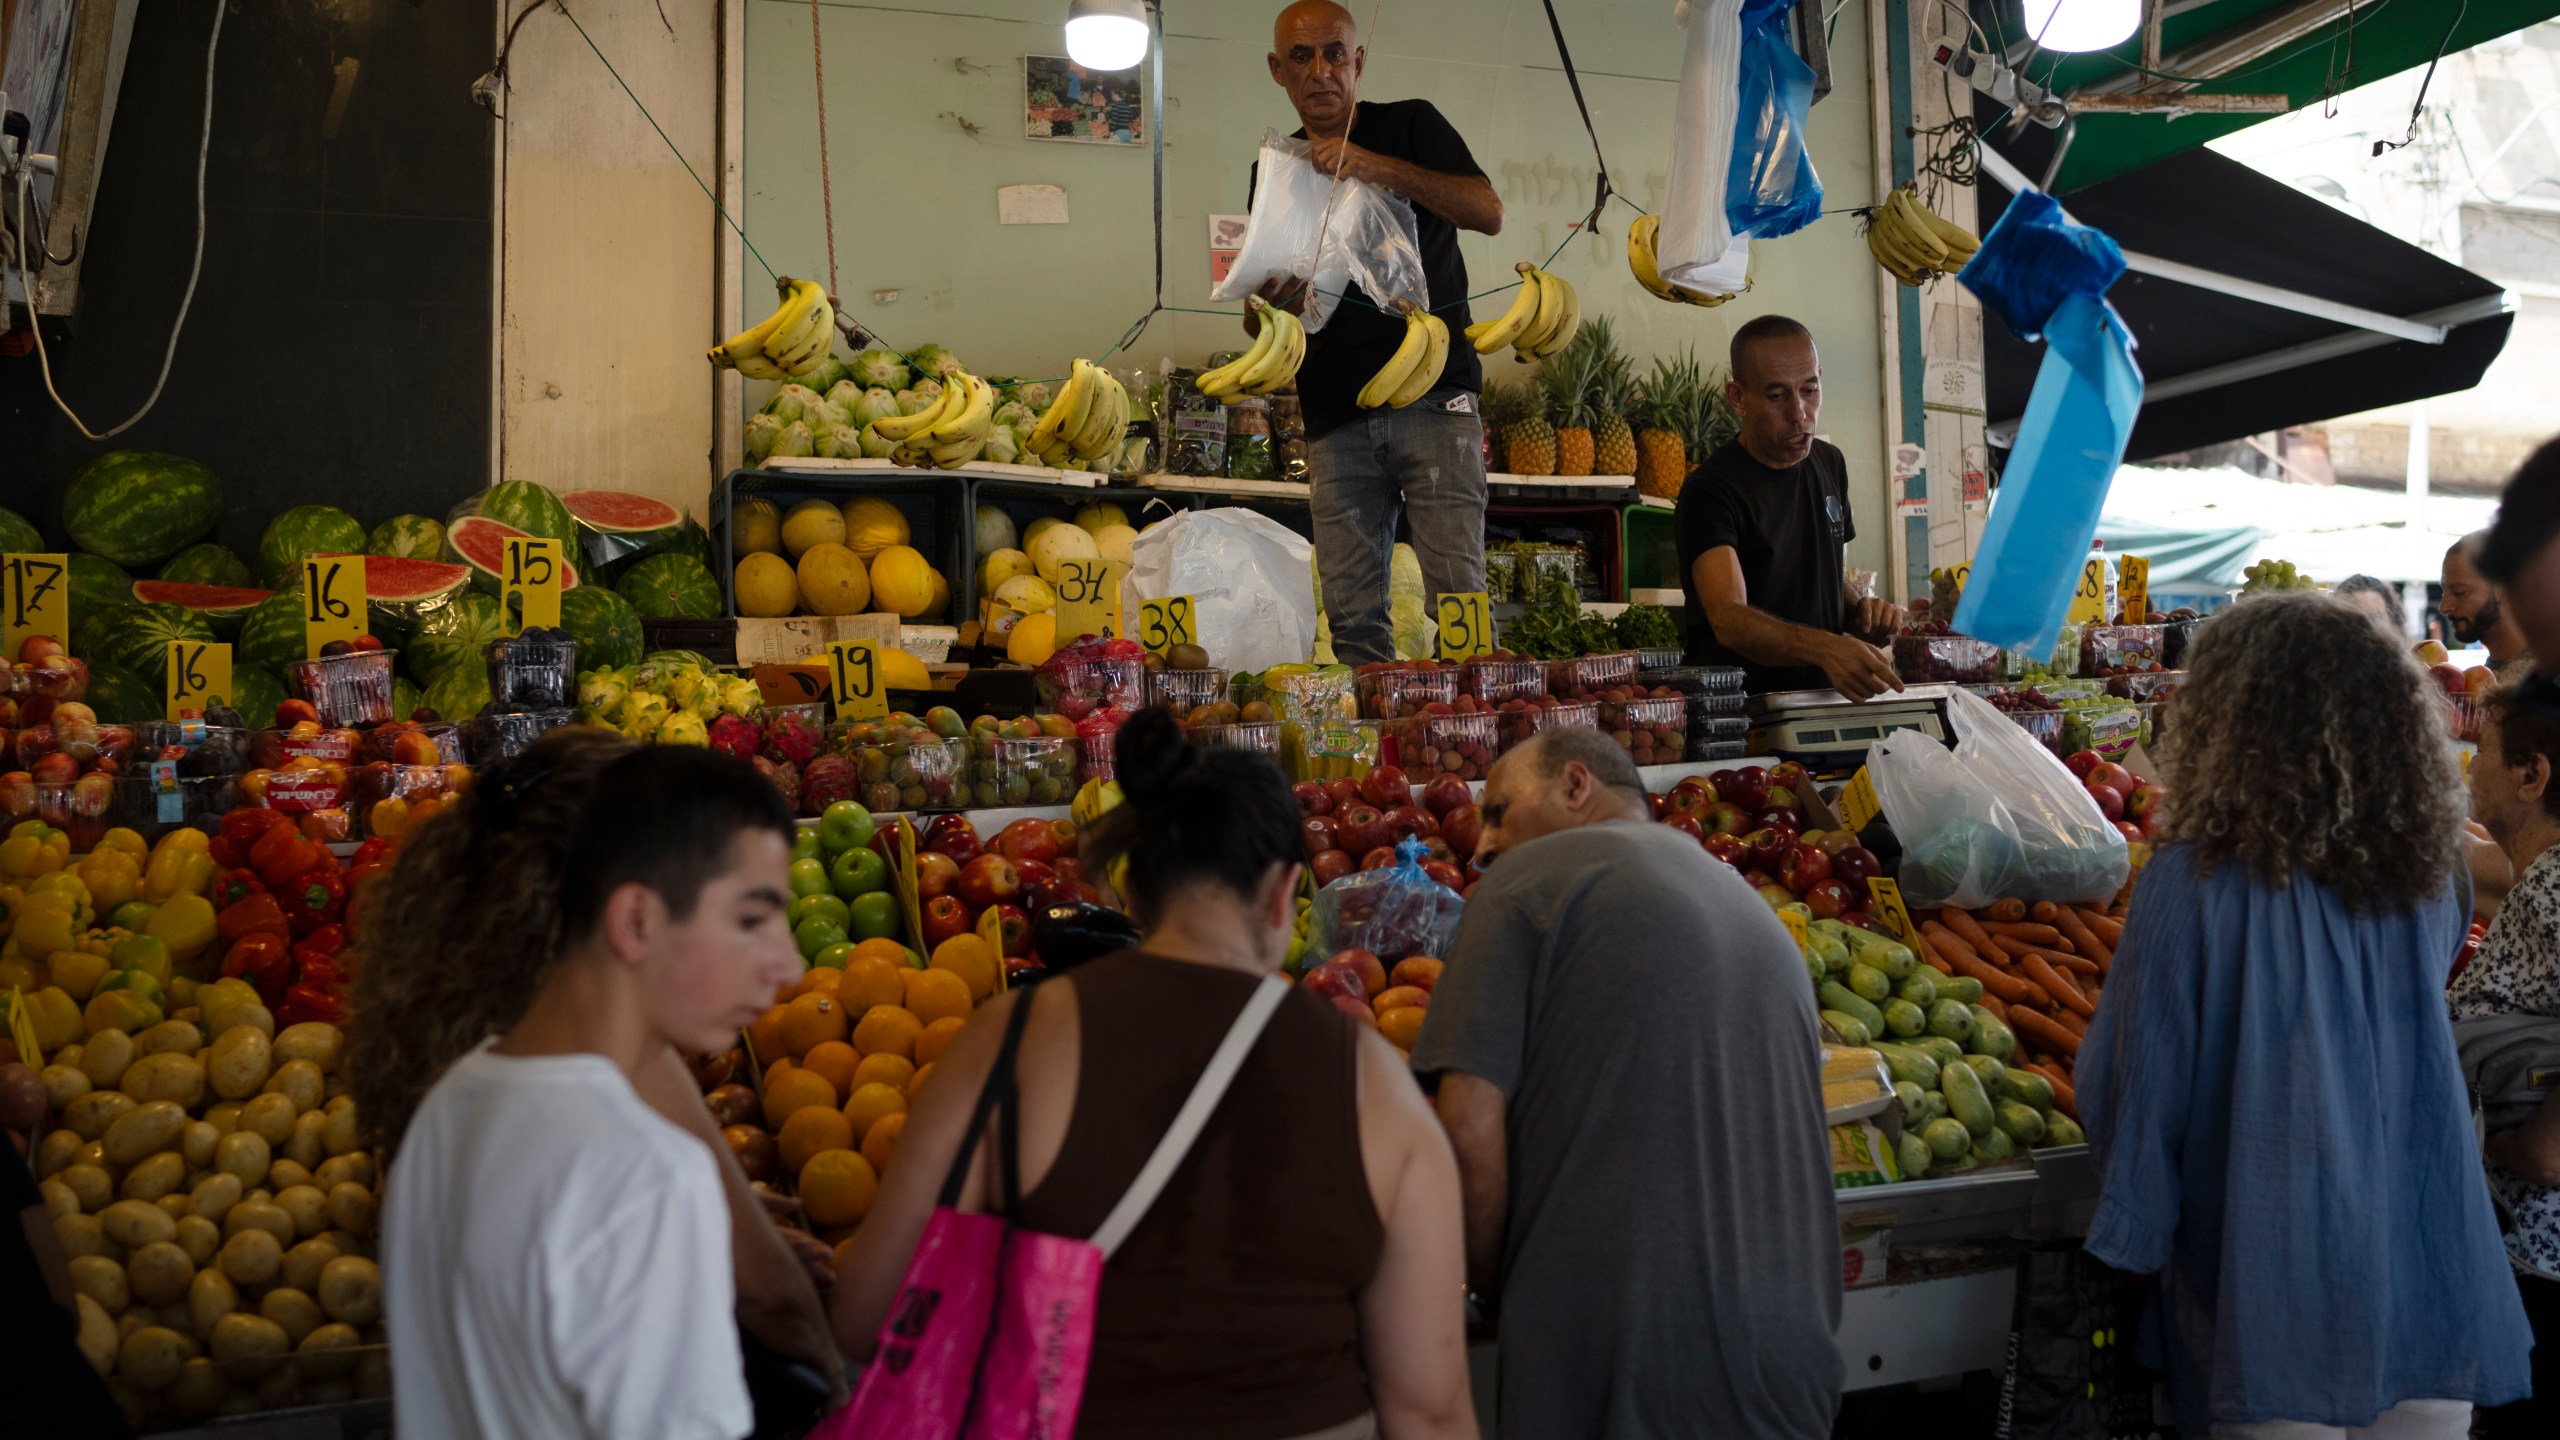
[
  {"x": 2081, "y": 24},
  {"x": 1110, "y": 34}
]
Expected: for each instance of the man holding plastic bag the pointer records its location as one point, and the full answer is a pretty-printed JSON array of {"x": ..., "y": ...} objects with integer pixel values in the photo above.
[{"x": 1427, "y": 459}]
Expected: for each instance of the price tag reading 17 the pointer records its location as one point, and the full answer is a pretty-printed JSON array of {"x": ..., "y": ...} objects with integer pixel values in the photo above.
[
  {"x": 1466, "y": 625},
  {"x": 2133, "y": 588},
  {"x": 531, "y": 568},
  {"x": 2089, "y": 598},
  {"x": 333, "y": 601},
  {"x": 35, "y": 599},
  {"x": 853, "y": 669},
  {"x": 1165, "y": 623},
  {"x": 199, "y": 676}
]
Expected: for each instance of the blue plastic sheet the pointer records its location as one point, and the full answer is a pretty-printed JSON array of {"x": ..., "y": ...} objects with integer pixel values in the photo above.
[
  {"x": 2070, "y": 442},
  {"x": 1770, "y": 189},
  {"x": 2034, "y": 259}
]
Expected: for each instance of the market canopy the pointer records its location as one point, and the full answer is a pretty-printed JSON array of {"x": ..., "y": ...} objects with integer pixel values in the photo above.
[{"x": 2200, "y": 528}]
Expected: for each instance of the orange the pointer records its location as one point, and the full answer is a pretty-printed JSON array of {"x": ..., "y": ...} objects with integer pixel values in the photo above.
[
  {"x": 1402, "y": 1025},
  {"x": 844, "y": 1250},
  {"x": 871, "y": 977},
  {"x": 967, "y": 956},
  {"x": 1397, "y": 997},
  {"x": 882, "y": 1142},
  {"x": 929, "y": 1045},
  {"x": 810, "y": 1129},
  {"x": 766, "y": 1036},
  {"x": 811, "y": 1021},
  {"x": 887, "y": 1030},
  {"x": 936, "y": 994},
  {"x": 917, "y": 1084},
  {"x": 792, "y": 1091},
  {"x": 821, "y": 980},
  {"x": 837, "y": 1188},
  {"x": 870, "y": 1103},
  {"x": 835, "y": 1060},
  {"x": 894, "y": 1070}
]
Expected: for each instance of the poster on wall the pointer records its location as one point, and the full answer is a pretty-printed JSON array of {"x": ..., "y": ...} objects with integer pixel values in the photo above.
[
  {"x": 1226, "y": 241},
  {"x": 1062, "y": 100}
]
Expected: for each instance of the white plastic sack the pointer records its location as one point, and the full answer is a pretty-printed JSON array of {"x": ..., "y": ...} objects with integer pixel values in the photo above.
[
  {"x": 1248, "y": 579},
  {"x": 1369, "y": 240},
  {"x": 1995, "y": 817},
  {"x": 1696, "y": 247}
]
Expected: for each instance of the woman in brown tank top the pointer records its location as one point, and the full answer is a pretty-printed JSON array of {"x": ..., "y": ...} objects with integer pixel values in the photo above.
[{"x": 1302, "y": 1273}]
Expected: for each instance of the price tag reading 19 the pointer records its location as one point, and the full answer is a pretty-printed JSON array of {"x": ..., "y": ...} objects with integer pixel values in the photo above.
[
  {"x": 531, "y": 569},
  {"x": 2089, "y": 598},
  {"x": 1088, "y": 598},
  {"x": 1466, "y": 625},
  {"x": 1165, "y": 623},
  {"x": 199, "y": 677},
  {"x": 333, "y": 601},
  {"x": 2133, "y": 588},
  {"x": 853, "y": 670},
  {"x": 35, "y": 599}
]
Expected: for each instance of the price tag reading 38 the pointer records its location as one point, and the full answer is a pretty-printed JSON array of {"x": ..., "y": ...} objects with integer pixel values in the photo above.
[
  {"x": 35, "y": 599},
  {"x": 531, "y": 569},
  {"x": 199, "y": 675},
  {"x": 2089, "y": 598},
  {"x": 1466, "y": 625},
  {"x": 1088, "y": 598},
  {"x": 853, "y": 671},
  {"x": 333, "y": 601},
  {"x": 1165, "y": 623}
]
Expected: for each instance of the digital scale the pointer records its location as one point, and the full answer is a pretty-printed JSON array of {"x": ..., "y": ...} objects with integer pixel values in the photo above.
[{"x": 1826, "y": 731}]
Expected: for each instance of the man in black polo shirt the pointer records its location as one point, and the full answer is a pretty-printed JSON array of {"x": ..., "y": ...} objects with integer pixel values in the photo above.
[
  {"x": 1426, "y": 460},
  {"x": 1761, "y": 527}
]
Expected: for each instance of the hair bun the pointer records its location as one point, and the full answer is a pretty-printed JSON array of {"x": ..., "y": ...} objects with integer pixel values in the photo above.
[{"x": 1151, "y": 755}]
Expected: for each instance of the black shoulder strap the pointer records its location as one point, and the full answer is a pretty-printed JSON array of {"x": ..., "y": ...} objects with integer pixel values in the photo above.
[
  {"x": 999, "y": 1086},
  {"x": 1600, "y": 190}
]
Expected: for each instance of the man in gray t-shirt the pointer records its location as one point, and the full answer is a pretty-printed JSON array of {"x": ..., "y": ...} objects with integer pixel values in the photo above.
[{"x": 1628, "y": 1068}]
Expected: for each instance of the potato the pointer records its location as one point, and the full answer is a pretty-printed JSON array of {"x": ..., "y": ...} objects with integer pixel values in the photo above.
[
  {"x": 296, "y": 1311},
  {"x": 308, "y": 1205},
  {"x": 251, "y": 1256},
  {"x": 315, "y": 1356},
  {"x": 58, "y": 1199},
  {"x": 316, "y": 1041},
  {"x": 304, "y": 1147},
  {"x": 68, "y": 1055},
  {"x": 91, "y": 1183},
  {"x": 304, "y": 1262},
  {"x": 149, "y": 1358},
  {"x": 160, "y": 1175},
  {"x": 98, "y": 1335},
  {"x": 144, "y": 1130},
  {"x": 196, "y": 1143},
  {"x": 215, "y": 1195},
  {"x": 169, "y": 1037},
  {"x": 351, "y": 1208},
  {"x": 91, "y": 1114},
  {"x": 104, "y": 1056},
  {"x": 243, "y": 1153},
  {"x": 63, "y": 1084},
  {"x": 299, "y": 1079},
  {"x": 159, "y": 1273},
  {"x": 199, "y": 1389},
  {"x": 57, "y": 1149},
  {"x": 102, "y": 1280},
  {"x": 134, "y": 1319},
  {"x": 282, "y": 1387},
  {"x": 350, "y": 1290},
  {"x": 200, "y": 1237},
  {"x": 133, "y": 1224},
  {"x": 210, "y": 1296},
  {"x": 255, "y": 1214},
  {"x": 354, "y": 1165},
  {"x": 165, "y": 1076},
  {"x": 339, "y": 1085},
  {"x": 285, "y": 1174},
  {"x": 248, "y": 1347},
  {"x": 80, "y": 1235},
  {"x": 249, "y": 1015},
  {"x": 224, "y": 1118},
  {"x": 270, "y": 1117},
  {"x": 237, "y": 1064},
  {"x": 261, "y": 1194},
  {"x": 339, "y": 1132},
  {"x": 176, "y": 1318},
  {"x": 177, "y": 1205}
]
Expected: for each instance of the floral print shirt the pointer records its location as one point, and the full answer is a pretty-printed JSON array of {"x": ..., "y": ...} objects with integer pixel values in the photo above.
[{"x": 2517, "y": 972}]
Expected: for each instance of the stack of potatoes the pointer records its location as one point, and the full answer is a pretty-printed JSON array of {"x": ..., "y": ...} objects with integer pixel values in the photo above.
[{"x": 217, "y": 1208}]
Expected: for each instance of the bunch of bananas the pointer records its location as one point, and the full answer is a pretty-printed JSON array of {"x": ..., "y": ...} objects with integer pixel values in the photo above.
[
  {"x": 1415, "y": 367},
  {"x": 1086, "y": 420},
  {"x": 1542, "y": 317},
  {"x": 1645, "y": 261},
  {"x": 796, "y": 336},
  {"x": 1915, "y": 244},
  {"x": 1271, "y": 363},
  {"x": 950, "y": 432}
]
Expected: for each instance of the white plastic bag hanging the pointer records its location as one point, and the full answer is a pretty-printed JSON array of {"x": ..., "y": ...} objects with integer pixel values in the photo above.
[
  {"x": 1369, "y": 239},
  {"x": 1248, "y": 579},
  {"x": 1696, "y": 248},
  {"x": 1995, "y": 817}
]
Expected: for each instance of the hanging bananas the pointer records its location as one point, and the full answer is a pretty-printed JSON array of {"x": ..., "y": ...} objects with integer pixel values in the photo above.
[
  {"x": 793, "y": 338},
  {"x": 1273, "y": 361},
  {"x": 1542, "y": 317},
  {"x": 1913, "y": 243},
  {"x": 1086, "y": 420},
  {"x": 1410, "y": 373},
  {"x": 1644, "y": 259}
]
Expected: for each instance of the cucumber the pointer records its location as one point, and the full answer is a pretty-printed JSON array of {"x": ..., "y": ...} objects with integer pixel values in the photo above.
[
  {"x": 1850, "y": 1029},
  {"x": 2061, "y": 1129},
  {"x": 1933, "y": 1106},
  {"x": 1989, "y": 1069},
  {"x": 1915, "y": 1155},
  {"x": 1959, "y": 987},
  {"x": 1992, "y": 1035},
  {"x": 1995, "y": 1146},
  {"x": 1938, "y": 1048},
  {"x": 1951, "y": 1019},
  {"x": 1914, "y": 1100},
  {"x": 1836, "y": 996},
  {"x": 2026, "y": 1087},
  {"x": 1813, "y": 967},
  {"x": 1909, "y": 1064},
  {"x": 1920, "y": 987},
  {"x": 1869, "y": 983},
  {"x": 1881, "y": 951},
  {"x": 1833, "y": 955},
  {"x": 2019, "y": 1122},
  {"x": 1904, "y": 1018},
  {"x": 1966, "y": 1100},
  {"x": 1946, "y": 1139}
]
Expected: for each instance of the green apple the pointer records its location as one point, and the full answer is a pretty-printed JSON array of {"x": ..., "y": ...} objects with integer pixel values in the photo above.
[
  {"x": 875, "y": 917},
  {"x": 804, "y": 844},
  {"x": 846, "y": 825},
  {"x": 808, "y": 877},
  {"x": 859, "y": 872},
  {"x": 834, "y": 956},
  {"x": 815, "y": 934},
  {"x": 828, "y": 905}
]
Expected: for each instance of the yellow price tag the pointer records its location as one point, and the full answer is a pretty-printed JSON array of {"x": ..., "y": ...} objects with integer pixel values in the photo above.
[
  {"x": 1858, "y": 805},
  {"x": 2133, "y": 588},
  {"x": 853, "y": 671},
  {"x": 1466, "y": 625},
  {"x": 1088, "y": 598},
  {"x": 1165, "y": 623},
  {"x": 531, "y": 571},
  {"x": 22, "y": 1029},
  {"x": 35, "y": 599},
  {"x": 1795, "y": 923},
  {"x": 991, "y": 934},
  {"x": 1887, "y": 900},
  {"x": 2089, "y": 600},
  {"x": 199, "y": 676},
  {"x": 1963, "y": 573},
  {"x": 333, "y": 601}
]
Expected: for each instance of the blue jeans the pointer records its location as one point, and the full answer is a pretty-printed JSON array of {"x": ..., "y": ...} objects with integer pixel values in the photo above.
[{"x": 1425, "y": 461}]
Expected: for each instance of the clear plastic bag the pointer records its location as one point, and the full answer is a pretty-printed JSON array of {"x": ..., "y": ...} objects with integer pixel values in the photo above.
[
  {"x": 1771, "y": 189},
  {"x": 1995, "y": 817},
  {"x": 1369, "y": 237},
  {"x": 1394, "y": 913}
]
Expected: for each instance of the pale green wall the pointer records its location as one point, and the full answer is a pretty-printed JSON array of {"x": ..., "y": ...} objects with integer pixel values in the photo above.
[{"x": 916, "y": 208}]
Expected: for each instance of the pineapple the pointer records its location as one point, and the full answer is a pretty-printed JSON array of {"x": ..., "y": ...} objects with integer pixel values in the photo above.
[
  {"x": 1613, "y": 442},
  {"x": 1572, "y": 399},
  {"x": 1668, "y": 404},
  {"x": 1711, "y": 420},
  {"x": 1528, "y": 442}
]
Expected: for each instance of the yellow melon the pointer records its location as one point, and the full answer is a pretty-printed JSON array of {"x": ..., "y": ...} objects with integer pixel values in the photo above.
[
  {"x": 755, "y": 529},
  {"x": 811, "y": 523},
  {"x": 901, "y": 671},
  {"x": 832, "y": 581},
  {"x": 1000, "y": 566},
  {"x": 1058, "y": 544},
  {"x": 1032, "y": 640},
  {"x": 766, "y": 586},
  {"x": 1038, "y": 528},
  {"x": 901, "y": 580},
  {"x": 872, "y": 525},
  {"x": 1114, "y": 542},
  {"x": 1093, "y": 515},
  {"x": 1027, "y": 593},
  {"x": 941, "y": 596}
]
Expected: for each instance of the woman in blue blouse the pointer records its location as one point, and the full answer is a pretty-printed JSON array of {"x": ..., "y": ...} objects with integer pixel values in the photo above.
[{"x": 2271, "y": 1087}]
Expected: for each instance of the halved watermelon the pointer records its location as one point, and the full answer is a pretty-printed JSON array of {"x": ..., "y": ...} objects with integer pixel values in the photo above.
[
  {"x": 619, "y": 511},
  {"x": 221, "y": 606},
  {"x": 481, "y": 543},
  {"x": 401, "y": 593},
  {"x": 622, "y": 529}
]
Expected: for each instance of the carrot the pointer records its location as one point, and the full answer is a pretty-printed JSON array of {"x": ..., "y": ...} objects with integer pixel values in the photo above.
[
  {"x": 2075, "y": 967},
  {"x": 2040, "y": 970},
  {"x": 2070, "y": 1020},
  {"x": 2043, "y": 937},
  {"x": 1967, "y": 930},
  {"x": 2018, "y": 949},
  {"x": 2006, "y": 911},
  {"x": 2084, "y": 938},
  {"x": 2042, "y": 912},
  {"x": 2042, "y": 1032},
  {"x": 2036, "y": 997},
  {"x": 1929, "y": 956},
  {"x": 2106, "y": 927},
  {"x": 2063, "y": 1099},
  {"x": 1994, "y": 1004},
  {"x": 1995, "y": 981}
]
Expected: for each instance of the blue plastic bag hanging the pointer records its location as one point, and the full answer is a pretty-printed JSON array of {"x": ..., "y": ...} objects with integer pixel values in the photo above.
[
  {"x": 2034, "y": 258},
  {"x": 1771, "y": 189}
]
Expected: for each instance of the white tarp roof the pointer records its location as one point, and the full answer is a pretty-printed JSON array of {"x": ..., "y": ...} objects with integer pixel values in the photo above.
[{"x": 2328, "y": 531}]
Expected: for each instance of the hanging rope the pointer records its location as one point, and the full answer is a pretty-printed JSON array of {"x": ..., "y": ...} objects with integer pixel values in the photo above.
[{"x": 826, "y": 172}]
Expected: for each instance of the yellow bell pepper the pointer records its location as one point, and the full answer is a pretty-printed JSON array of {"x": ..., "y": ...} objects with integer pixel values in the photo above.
[
  {"x": 20, "y": 972},
  {"x": 177, "y": 870},
  {"x": 142, "y": 954},
  {"x": 125, "y": 1010},
  {"x": 46, "y": 923},
  {"x": 182, "y": 997},
  {"x": 29, "y": 855},
  {"x": 56, "y": 1017},
  {"x": 77, "y": 972},
  {"x": 124, "y": 841},
  {"x": 11, "y": 897},
  {"x": 185, "y": 924},
  {"x": 113, "y": 877}
]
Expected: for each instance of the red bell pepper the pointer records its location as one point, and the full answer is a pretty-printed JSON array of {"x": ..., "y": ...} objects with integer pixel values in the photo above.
[
  {"x": 245, "y": 826},
  {"x": 304, "y": 1003},
  {"x": 283, "y": 853},
  {"x": 316, "y": 955},
  {"x": 263, "y": 960},
  {"x": 314, "y": 899},
  {"x": 380, "y": 849},
  {"x": 236, "y": 885},
  {"x": 258, "y": 914},
  {"x": 227, "y": 853}
]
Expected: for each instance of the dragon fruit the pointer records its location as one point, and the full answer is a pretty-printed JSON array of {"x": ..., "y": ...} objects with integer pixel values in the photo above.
[
  {"x": 691, "y": 690},
  {"x": 736, "y": 735},
  {"x": 682, "y": 728},
  {"x": 784, "y": 775},
  {"x": 885, "y": 369},
  {"x": 789, "y": 735},
  {"x": 601, "y": 693},
  {"x": 641, "y": 715},
  {"x": 739, "y": 696},
  {"x": 826, "y": 780}
]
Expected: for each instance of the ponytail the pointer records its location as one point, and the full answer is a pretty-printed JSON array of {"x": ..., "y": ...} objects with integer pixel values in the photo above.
[{"x": 1190, "y": 815}]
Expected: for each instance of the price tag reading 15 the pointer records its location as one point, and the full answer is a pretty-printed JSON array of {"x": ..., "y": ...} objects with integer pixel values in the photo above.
[
  {"x": 333, "y": 601},
  {"x": 853, "y": 670},
  {"x": 1466, "y": 625},
  {"x": 532, "y": 573},
  {"x": 1165, "y": 623}
]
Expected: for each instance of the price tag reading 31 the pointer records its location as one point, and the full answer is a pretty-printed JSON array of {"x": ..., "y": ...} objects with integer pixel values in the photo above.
[
  {"x": 333, "y": 601},
  {"x": 1088, "y": 598},
  {"x": 2133, "y": 588},
  {"x": 199, "y": 675},
  {"x": 2089, "y": 598},
  {"x": 35, "y": 599},
  {"x": 853, "y": 670},
  {"x": 531, "y": 568},
  {"x": 1466, "y": 625},
  {"x": 1165, "y": 623}
]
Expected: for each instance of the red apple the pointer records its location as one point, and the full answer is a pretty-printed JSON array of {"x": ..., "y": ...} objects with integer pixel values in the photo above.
[
  {"x": 1446, "y": 873},
  {"x": 1788, "y": 775},
  {"x": 1027, "y": 839},
  {"x": 1422, "y": 972},
  {"x": 1835, "y": 841},
  {"x": 2115, "y": 777},
  {"x": 1803, "y": 867},
  {"x": 1015, "y": 928},
  {"x": 2081, "y": 762},
  {"x": 1728, "y": 849},
  {"x": 1410, "y": 820},
  {"x": 1829, "y": 900},
  {"x": 1386, "y": 787},
  {"x": 1757, "y": 878},
  {"x": 2132, "y": 833},
  {"x": 1311, "y": 798},
  {"x": 1856, "y": 865},
  {"x": 1379, "y": 858},
  {"x": 944, "y": 917},
  {"x": 1778, "y": 817},
  {"x": 1694, "y": 801},
  {"x": 954, "y": 836},
  {"x": 1330, "y": 865},
  {"x": 1372, "y": 971},
  {"x": 989, "y": 879},
  {"x": 1660, "y": 804},
  {"x": 2110, "y": 801},
  {"x": 1748, "y": 787},
  {"x": 54, "y": 767},
  {"x": 936, "y": 873},
  {"x": 1726, "y": 818},
  {"x": 1344, "y": 793},
  {"x": 1687, "y": 825},
  {"x": 1463, "y": 828},
  {"x": 1035, "y": 874},
  {"x": 1361, "y": 828},
  {"x": 2146, "y": 800},
  {"x": 1337, "y": 981},
  {"x": 1319, "y": 833},
  {"x": 1446, "y": 793},
  {"x": 1768, "y": 847}
]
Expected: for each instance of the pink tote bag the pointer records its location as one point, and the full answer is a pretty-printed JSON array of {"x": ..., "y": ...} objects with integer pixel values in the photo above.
[{"x": 992, "y": 1330}]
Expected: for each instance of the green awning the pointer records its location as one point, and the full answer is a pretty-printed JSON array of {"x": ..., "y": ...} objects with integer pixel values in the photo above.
[{"x": 2183, "y": 561}]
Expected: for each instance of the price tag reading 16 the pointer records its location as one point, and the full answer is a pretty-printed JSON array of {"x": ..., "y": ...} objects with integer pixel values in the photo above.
[
  {"x": 1165, "y": 623},
  {"x": 853, "y": 670},
  {"x": 334, "y": 601},
  {"x": 1466, "y": 625},
  {"x": 199, "y": 676}
]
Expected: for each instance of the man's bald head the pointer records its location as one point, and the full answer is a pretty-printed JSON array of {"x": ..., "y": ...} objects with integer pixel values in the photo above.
[
  {"x": 1316, "y": 57},
  {"x": 1322, "y": 16}
]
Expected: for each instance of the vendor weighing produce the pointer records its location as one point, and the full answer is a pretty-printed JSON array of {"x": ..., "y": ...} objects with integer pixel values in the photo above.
[
  {"x": 1762, "y": 525},
  {"x": 1425, "y": 459}
]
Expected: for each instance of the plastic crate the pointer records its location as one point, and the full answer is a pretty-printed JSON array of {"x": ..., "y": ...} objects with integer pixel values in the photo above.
[
  {"x": 1391, "y": 694},
  {"x": 1657, "y": 657},
  {"x": 1427, "y": 746},
  {"x": 1584, "y": 676},
  {"x": 1719, "y": 750},
  {"x": 1035, "y": 770},
  {"x": 349, "y": 689},
  {"x": 1654, "y": 731},
  {"x": 1516, "y": 721},
  {"x": 537, "y": 674},
  {"x": 1495, "y": 681},
  {"x": 1695, "y": 679}
]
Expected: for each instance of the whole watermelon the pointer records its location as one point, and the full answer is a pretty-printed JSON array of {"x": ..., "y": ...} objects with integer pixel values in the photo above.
[
  {"x": 255, "y": 693},
  {"x": 302, "y": 531},
  {"x": 97, "y": 584},
  {"x": 605, "y": 626},
  {"x": 407, "y": 537},
  {"x": 405, "y": 697},
  {"x": 136, "y": 507},
  {"x": 139, "y": 642},
  {"x": 686, "y": 537},
  {"x": 17, "y": 537},
  {"x": 123, "y": 698},
  {"x": 529, "y": 507},
  {"x": 455, "y": 638},
  {"x": 672, "y": 587},
  {"x": 93, "y": 630},
  {"x": 206, "y": 564},
  {"x": 272, "y": 635},
  {"x": 459, "y": 692}
]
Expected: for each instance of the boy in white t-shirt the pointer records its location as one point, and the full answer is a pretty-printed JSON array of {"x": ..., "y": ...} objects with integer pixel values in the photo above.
[{"x": 556, "y": 1252}]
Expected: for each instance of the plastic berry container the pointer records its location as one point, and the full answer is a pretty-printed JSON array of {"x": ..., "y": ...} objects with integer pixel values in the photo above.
[
  {"x": 1434, "y": 745},
  {"x": 493, "y": 736},
  {"x": 1657, "y": 657},
  {"x": 1947, "y": 659},
  {"x": 1077, "y": 688},
  {"x": 1262, "y": 737},
  {"x": 1655, "y": 731},
  {"x": 540, "y": 674},
  {"x": 349, "y": 689},
  {"x": 1183, "y": 691},
  {"x": 277, "y": 749},
  {"x": 1517, "y": 720},
  {"x": 1584, "y": 676},
  {"x": 912, "y": 770},
  {"x": 1403, "y": 691},
  {"x": 2108, "y": 649},
  {"x": 1036, "y": 770},
  {"x": 1495, "y": 681},
  {"x": 2146, "y": 685},
  {"x": 1694, "y": 679}
]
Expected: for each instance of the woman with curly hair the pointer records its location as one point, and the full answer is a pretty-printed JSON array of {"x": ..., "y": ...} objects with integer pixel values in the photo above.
[{"x": 2271, "y": 1088}]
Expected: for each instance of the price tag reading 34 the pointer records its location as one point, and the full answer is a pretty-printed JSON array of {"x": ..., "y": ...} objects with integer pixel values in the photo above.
[
  {"x": 853, "y": 671},
  {"x": 333, "y": 601},
  {"x": 35, "y": 599},
  {"x": 1088, "y": 598},
  {"x": 1466, "y": 625},
  {"x": 199, "y": 676},
  {"x": 2089, "y": 598},
  {"x": 531, "y": 568},
  {"x": 1165, "y": 623}
]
